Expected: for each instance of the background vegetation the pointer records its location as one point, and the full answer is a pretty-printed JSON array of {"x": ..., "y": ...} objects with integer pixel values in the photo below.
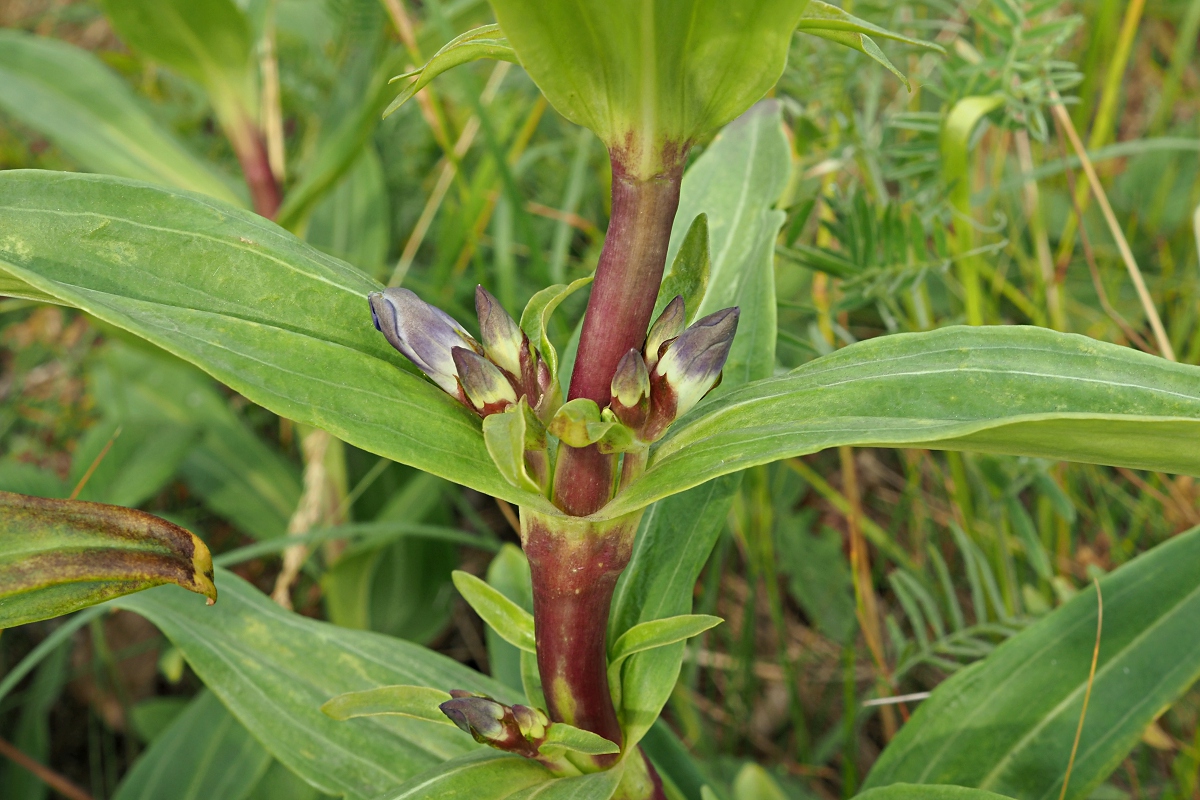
[{"x": 843, "y": 577}]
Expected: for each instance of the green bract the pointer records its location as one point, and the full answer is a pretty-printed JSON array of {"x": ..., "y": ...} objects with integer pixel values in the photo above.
[{"x": 650, "y": 77}]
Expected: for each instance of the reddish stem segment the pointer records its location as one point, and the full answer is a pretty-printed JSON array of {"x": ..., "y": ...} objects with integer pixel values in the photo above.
[
  {"x": 574, "y": 568},
  {"x": 251, "y": 150},
  {"x": 618, "y": 314}
]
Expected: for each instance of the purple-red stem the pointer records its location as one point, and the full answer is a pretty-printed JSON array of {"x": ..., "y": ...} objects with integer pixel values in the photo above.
[
  {"x": 574, "y": 570},
  {"x": 618, "y": 314},
  {"x": 251, "y": 150}
]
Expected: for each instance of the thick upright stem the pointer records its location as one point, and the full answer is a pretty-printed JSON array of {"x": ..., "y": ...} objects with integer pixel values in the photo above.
[
  {"x": 574, "y": 566},
  {"x": 618, "y": 314}
]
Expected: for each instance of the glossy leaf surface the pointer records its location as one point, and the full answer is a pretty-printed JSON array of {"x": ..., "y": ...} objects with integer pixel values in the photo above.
[
  {"x": 58, "y": 556},
  {"x": 274, "y": 669},
  {"x": 278, "y": 321},
  {"x": 203, "y": 754},
  {"x": 75, "y": 100},
  {"x": 1010, "y": 390},
  {"x": 1007, "y": 723}
]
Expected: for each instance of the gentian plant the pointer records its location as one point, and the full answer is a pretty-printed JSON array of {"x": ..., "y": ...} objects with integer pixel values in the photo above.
[{"x": 630, "y": 418}]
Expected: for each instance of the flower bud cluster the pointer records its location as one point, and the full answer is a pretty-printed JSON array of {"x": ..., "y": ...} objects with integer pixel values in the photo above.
[
  {"x": 488, "y": 377},
  {"x": 675, "y": 369},
  {"x": 515, "y": 729}
]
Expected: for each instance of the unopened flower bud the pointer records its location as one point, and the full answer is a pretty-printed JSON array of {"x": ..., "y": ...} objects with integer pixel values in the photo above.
[
  {"x": 495, "y": 724},
  {"x": 487, "y": 390},
  {"x": 692, "y": 364},
  {"x": 533, "y": 722},
  {"x": 426, "y": 335},
  {"x": 481, "y": 717},
  {"x": 503, "y": 339},
  {"x": 631, "y": 390},
  {"x": 670, "y": 323}
]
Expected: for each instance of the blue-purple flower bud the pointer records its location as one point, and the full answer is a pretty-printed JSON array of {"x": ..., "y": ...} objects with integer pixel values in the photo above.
[
  {"x": 670, "y": 323},
  {"x": 693, "y": 363},
  {"x": 426, "y": 335},
  {"x": 492, "y": 723},
  {"x": 689, "y": 368}
]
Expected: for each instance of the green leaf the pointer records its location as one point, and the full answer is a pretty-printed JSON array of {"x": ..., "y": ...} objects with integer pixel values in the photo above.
[
  {"x": 58, "y": 556},
  {"x": 661, "y": 632},
  {"x": 1012, "y": 390},
  {"x": 689, "y": 272},
  {"x": 561, "y": 737},
  {"x": 71, "y": 97},
  {"x": 865, "y": 45},
  {"x": 597, "y": 786},
  {"x": 233, "y": 472},
  {"x": 486, "y": 41},
  {"x": 209, "y": 41},
  {"x": 736, "y": 184},
  {"x": 280, "y": 783},
  {"x": 509, "y": 574},
  {"x": 955, "y": 144},
  {"x": 832, "y": 23},
  {"x": 903, "y": 791},
  {"x": 205, "y": 753},
  {"x": 652, "y": 636},
  {"x": 536, "y": 317},
  {"x": 648, "y": 77},
  {"x": 505, "y": 437},
  {"x": 755, "y": 783},
  {"x": 1007, "y": 724},
  {"x": 273, "y": 670},
  {"x": 276, "y": 320},
  {"x": 417, "y": 702},
  {"x": 513, "y": 623},
  {"x": 486, "y": 775}
]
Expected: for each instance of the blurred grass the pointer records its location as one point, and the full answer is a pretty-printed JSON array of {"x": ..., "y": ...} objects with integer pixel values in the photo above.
[{"x": 982, "y": 545}]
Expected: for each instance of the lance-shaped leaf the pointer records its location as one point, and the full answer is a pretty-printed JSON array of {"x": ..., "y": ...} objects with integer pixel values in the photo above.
[
  {"x": 273, "y": 669},
  {"x": 1008, "y": 723},
  {"x": 833, "y": 23},
  {"x": 486, "y": 775},
  {"x": 507, "y": 436},
  {"x": 76, "y": 101},
  {"x": 513, "y": 623},
  {"x": 204, "y": 749},
  {"x": 417, "y": 702},
  {"x": 536, "y": 317},
  {"x": 1012, "y": 390},
  {"x": 57, "y": 556},
  {"x": 649, "y": 636},
  {"x": 562, "y": 738},
  {"x": 276, "y": 320},
  {"x": 486, "y": 41},
  {"x": 689, "y": 273}
]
